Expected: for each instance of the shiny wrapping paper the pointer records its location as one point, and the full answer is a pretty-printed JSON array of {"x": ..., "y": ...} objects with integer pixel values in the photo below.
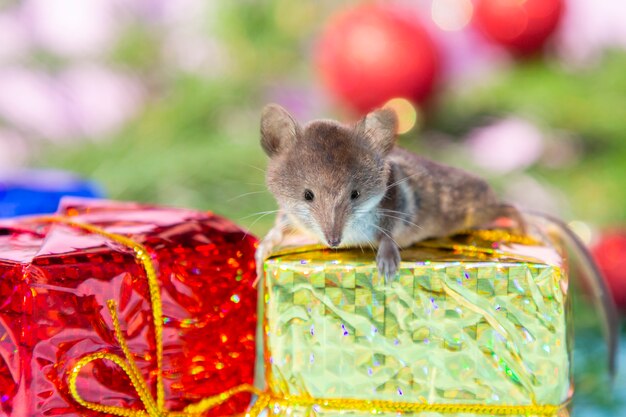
[
  {"x": 56, "y": 280},
  {"x": 477, "y": 320}
]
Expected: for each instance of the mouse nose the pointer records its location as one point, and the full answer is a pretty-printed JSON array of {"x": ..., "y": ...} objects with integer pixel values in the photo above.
[{"x": 333, "y": 242}]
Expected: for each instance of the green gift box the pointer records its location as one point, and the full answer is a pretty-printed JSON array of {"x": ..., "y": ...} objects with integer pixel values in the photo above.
[{"x": 472, "y": 325}]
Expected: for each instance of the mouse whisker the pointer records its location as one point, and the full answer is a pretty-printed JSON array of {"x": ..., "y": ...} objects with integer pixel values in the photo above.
[
  {"x": 247, "y": 194},
  {"x": 264, "y": 213},
  {"x": 385, "y": 233},
  {"x": 382, "y": 210},
  {"x": 367, "y": 240},
  {"x": 255, "y": 167},
  {"x": 401, "y": 180},
  {"x": 402, "y": 220}
]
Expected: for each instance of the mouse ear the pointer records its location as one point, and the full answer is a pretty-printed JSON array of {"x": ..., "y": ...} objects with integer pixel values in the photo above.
[
  {"x": 278, "y": 129},
  {"x": 379, "y": 127}
]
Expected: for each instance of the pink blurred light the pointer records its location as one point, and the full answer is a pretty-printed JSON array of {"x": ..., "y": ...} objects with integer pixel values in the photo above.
[
  {"x": 186, "y": 11},
  {"x": 195, "y": 52},
  {"x": 468, "y": 58},
  {"x": 590, "y": 27},
  {"x": 14, "y": 39},
  {"x": 506, "y": 145},
  {"x": 84, "y": 100},
  {"x": 73, "y": 27},
  {"x": 13, "y": 150},
  {"x": 99, "y": 100},
  {"x": 30, "y": 101}
]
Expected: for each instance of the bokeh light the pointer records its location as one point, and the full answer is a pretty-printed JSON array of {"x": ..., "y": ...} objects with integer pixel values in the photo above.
[
  {"x": 506, "y": 145},
  {"x": 406, "y": 111},
  {"x": 452, "y": 15}
]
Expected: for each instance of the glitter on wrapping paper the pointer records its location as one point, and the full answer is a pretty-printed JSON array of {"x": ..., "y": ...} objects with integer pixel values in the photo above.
[
  {"x": 512, "y": 375},
  {"x": 529, "y": 337}
]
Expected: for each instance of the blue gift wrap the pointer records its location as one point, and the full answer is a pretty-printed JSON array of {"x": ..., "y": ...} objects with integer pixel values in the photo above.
[{"x": 39, "y": 191}]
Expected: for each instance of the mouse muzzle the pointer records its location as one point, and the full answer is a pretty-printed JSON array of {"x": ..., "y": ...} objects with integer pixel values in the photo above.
[{"x": 333, "y": 235}]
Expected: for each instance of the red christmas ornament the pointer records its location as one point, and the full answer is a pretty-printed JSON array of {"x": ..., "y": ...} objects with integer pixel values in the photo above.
[
  {"x": 372, "y": 53},
  {"x": 521, "y": 26},
  {"x": 610, "y": 254}
]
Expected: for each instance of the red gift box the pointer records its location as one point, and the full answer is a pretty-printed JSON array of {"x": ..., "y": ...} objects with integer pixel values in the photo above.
[{"x": 125, "y": 306}]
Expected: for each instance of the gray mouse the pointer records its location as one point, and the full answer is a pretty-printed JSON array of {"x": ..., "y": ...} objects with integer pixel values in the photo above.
[{"x": 352, "y": 186}]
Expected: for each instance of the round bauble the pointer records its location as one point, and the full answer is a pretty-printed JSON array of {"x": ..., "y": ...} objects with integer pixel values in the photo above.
[
  {"x": 372, "y": 53},
  {"x": 610, "y": 254},
  {"x": 521, "y": 26}
]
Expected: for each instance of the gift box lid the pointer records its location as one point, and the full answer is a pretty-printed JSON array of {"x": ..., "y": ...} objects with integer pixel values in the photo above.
[{"x": 471, "y": 246}]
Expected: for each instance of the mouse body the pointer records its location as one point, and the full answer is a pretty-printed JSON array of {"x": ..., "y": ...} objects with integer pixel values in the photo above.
[{"x": 352, "y": 186}]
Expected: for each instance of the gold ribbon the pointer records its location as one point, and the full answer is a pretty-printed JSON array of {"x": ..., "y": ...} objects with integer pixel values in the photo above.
[
  {"x": 156, "y": 407},
  {"x": 266, "y": 400}
]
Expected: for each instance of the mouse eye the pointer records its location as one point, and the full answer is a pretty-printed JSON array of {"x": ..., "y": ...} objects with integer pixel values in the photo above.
[
  {"x": 355, "y": 194},
  {"x": 308, "y": 195}
]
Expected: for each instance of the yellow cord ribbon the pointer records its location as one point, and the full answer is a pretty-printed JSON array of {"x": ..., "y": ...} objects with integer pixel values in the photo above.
[
  {"x": 380, "y": 406},
  {"x": 156, "y": 407}
]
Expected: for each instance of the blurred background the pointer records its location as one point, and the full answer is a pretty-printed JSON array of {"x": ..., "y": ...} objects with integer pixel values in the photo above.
[{"x": 158, "y": 101}]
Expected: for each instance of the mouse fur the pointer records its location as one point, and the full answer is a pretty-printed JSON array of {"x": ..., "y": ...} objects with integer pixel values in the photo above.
[{"x": 350, "y": 185}]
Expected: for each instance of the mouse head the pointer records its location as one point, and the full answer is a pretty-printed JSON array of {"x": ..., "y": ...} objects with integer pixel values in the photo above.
[{"x": 328, "y": 177}]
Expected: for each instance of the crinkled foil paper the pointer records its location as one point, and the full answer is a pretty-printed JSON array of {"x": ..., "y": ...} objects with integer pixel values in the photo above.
[
  {"x": 454, "y": 327},
  {"x": 55, "y": 284}
]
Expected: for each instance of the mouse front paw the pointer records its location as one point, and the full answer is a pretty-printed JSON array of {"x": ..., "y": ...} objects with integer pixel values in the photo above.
[
  {"x": 261, "y": 254},
  {"x": 388, "y": 259}
]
